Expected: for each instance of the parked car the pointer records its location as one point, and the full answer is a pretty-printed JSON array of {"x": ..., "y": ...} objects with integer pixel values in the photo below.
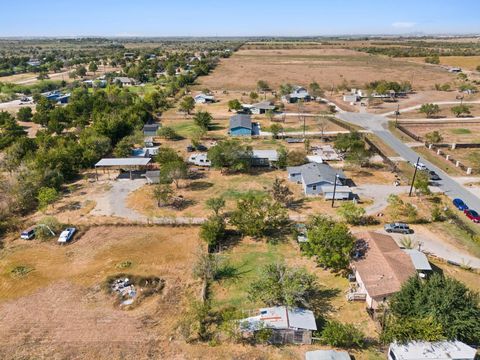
[
  {"x": 400, "y": 228},
  {"x": 434, "y": 176},
  {"x": 473, "y": 215},
  {"x": 28, "y": 233},
  {"x": 420, "y": 166},
  {"x": 459, "y": 204},
  {"x": 66, "y": 235}
]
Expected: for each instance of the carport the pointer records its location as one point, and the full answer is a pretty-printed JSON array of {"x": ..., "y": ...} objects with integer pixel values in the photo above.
[{"x": 128, "y": 164}]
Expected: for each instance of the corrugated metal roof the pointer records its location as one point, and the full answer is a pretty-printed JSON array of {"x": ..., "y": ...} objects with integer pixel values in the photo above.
[
  {"x": 326, "y": 355},
  {"x": 419, "y": 259},
  {"x": 123, "y": 162},
  {"x": 271, "y": 155},
  {"x": 433, "y": 350},
  {"x": 301, "y": 319},
  {"x": 281, "y": 317}
]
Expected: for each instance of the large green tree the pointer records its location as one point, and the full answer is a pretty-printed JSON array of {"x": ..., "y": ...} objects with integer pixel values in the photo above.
[{"x": 230, "y": 155}]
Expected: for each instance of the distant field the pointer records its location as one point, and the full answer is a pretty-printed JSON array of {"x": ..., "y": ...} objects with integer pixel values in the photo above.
[
  {"x": 327, "y": 66},
  {"x": 464, "y": 62},
  {"x": 451, "y": 133}
]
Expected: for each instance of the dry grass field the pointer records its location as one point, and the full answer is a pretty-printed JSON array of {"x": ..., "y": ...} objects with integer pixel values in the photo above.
[
  {"x": 445, "y": 112},
  {"x": 464, "y": 62},
  {"x": 451, "y": 133},
  {"x": 327, "y": 66}
]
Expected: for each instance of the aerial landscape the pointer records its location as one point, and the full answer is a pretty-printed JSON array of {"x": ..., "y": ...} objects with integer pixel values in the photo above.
[{"x": 240, "y": 180}]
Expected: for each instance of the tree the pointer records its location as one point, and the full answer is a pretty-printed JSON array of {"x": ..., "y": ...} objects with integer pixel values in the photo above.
[
  {"x": 25, "y": 114},
  {"x": 282, "y": 158},
  {"x": 286, "y": 89},
  {"x": 281, "y": 193},
  {"x": 206, "y": 266},
  {"x": 460, "y": 110},
  {"x": 187, "y": 104},
  {"x": 93, "y": 67},
  {"x": 352, "y": 213},
  {"x": 163, "y": 193},
  {"x": 253, "y": 96},
  {"x": 81, "y": 71},
  {"x": 342, "y": 335},
  {"x": 173, "y": 171},
  {"x": 215, "y": 204},
  {"x": 405, "y": 330},
  {"x": 168, "y": 132},
  {"x": 46, "y": 196},
  {"x": 166, "y": 155},
  {"x": 353, "y": 145},
  {"x": 445, "y": 300},
  {"x": 296, "y": 157},
  {"x": 9, "y": 129},
  {"x": 231, "y": 155},
  {"x": 257, "y": 215},
  {"x": 429, "y": 109},
  {"x": 280, "y": 285},
  {"x": 262, "y": 86},
  {"x": 212, "y": 231},
  {"x": 434, "y": 137},
  {"x": 315, "y": 89},
  {"x": 422, "y": 180},
  {"x": 331, "y": 243},
  {"x": 203, "y": 119},
  {"x": 234, "y": 104},
  {"x": 276, "y": 129},
  {"x": 434, "y": 59}
]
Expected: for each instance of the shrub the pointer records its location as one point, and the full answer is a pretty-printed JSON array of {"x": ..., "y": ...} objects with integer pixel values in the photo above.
[
  {"x": 47, "y": 228},
  {"x": 342, "y": 335}
]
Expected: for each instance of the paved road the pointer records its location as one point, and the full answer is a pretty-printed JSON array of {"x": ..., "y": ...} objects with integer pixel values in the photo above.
[{"x": 378, "y": 125}]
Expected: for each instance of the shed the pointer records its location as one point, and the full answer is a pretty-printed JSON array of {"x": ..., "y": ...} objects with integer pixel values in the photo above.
[
  {"x": 327, "y": 355},
  {"x": 153, "y": 177},
  {"x": 150, "y": 129}
]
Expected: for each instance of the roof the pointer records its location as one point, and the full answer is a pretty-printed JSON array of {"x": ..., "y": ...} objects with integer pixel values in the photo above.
[
  {"x": 339, "y": 189},
  {"x": 281, "y": 317},
  {"x": 205, "y": 96},
  {"x": 315, "y": 158},
  {"x": 240, "y": 120},
  {"x": 123, "y": 162},
  {"x": 123, "y": 79},
  {"x": 437, "y": 350},
  {"x": 150, "y": 127},
  {"x": 271, "y": 155},
  {"x": 327, "y": 355},
  {"x": 384, "y": 267},
  {"x": 419, "y": 260},
  {"x": 313, "y": 173},
  {"x": 265, "y": 105}
]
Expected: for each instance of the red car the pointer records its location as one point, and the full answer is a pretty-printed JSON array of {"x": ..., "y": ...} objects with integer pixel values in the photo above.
[{"x": 473, "y": 215}]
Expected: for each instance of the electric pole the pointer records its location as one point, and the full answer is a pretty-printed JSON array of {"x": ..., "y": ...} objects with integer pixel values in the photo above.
[{"x": 414, "y": 175}]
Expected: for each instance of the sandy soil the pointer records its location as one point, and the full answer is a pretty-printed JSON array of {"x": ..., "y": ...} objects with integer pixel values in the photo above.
[{"x": 327, "y": 66}]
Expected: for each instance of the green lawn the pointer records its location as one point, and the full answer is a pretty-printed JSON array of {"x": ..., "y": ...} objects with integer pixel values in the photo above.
[{"x": 460, "y": 131}]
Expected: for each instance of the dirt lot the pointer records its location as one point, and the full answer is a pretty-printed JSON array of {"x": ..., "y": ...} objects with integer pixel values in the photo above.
[
  {"x": 451, "y": 133},
  {"x": 326, "y": 66}
]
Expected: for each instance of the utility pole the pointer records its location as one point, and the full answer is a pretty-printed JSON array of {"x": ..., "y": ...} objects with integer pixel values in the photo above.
[
  {"x": 414, "y": 175},
  {"x": 334, "y": 189},
  {"x": 396, "y": 115}
]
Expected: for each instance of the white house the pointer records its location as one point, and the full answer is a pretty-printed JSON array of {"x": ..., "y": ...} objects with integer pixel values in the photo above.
[
  {"x": 203, "y": 98},
  {"x": 441, "y": 350},
  {"x": 125, "y": 81}
]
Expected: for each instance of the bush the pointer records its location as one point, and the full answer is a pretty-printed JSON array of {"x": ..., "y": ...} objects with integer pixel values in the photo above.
[
  {"x": 47, "y": 228},
  {"x": 212, "y": 231},
  {"x": 342, "y": 335},
  {"x": 168, "y": 133}
]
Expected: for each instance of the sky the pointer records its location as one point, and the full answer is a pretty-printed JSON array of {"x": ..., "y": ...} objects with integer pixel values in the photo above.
[{"x": 236, "y": 17}]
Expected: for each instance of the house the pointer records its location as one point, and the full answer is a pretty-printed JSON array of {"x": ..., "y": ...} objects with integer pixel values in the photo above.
[
  {"x": 241, "y": 125},
  {"x": 420, "y": 262},
  {"x": 298, "y": 93},
  {"x": 150, "y": 129},
  {"x": 124, "y": 81},
  {"x": 199, "y": 159},
  {"x": 261, "y": 107},
  {"x": 327, "y": 355},
  {"x": 341, "y": 192},
  {"x": 152, "y": 177},
  {"x": 380, "y": 268},
  {"x": 313, "y": 176},
  {"x": 203, "y": 98},
  {"x": 264, "y": 157},
  {"x": 440, "y": 350},
  {"x": 288, "y": 325}
]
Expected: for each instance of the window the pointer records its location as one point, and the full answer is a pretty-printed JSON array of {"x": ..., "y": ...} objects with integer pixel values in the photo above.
[{"x": 314, "y": 187}]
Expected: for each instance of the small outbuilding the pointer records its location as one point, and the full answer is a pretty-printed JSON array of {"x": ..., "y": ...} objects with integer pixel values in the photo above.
[
  {"x": 204, "y": 98},
  {"x": 440, "y": 350},
  {"x": 150, "y": 129},
  {"x": 327, "y": 355},
  {"x": 264, "y": 157}
]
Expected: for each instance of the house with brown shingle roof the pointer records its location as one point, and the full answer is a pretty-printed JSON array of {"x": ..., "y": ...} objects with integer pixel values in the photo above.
[{"x": 380, "y": 267}]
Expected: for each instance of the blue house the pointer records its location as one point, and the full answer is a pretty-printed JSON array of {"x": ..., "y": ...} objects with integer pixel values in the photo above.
[
  {"x": 241, "y": 125},
  {"x": 314, "y": 176}
]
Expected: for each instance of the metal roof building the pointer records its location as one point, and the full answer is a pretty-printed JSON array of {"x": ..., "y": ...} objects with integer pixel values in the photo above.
[
  {"x": 419, "y": 259},
  {"x": 441, "y": 350},
  {"x": 121, "y": 162},
  {"x": 327, "y": 355}
]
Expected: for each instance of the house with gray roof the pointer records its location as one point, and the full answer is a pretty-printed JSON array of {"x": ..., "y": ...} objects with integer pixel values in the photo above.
[
  {"x": 261, "y": 107},
  {"x": 314, "y": 176},
  {"x": 241, "y": 125},
  {"x": 298, "y": 93},
  {"x": 264, "y": 157}
]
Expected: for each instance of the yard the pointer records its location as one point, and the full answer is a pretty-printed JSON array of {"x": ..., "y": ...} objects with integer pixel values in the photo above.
[{"x": 328, "y": 66}]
